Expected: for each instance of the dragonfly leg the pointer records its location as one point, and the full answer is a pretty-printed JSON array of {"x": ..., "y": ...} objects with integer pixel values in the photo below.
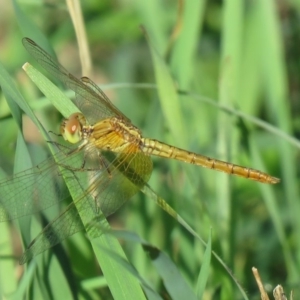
[
  {"x": 57, "y": 134},
  {"x": 65, "y": 149},
  {"x": 57, "y": 144},
  {"x": 104, "y": 164}
]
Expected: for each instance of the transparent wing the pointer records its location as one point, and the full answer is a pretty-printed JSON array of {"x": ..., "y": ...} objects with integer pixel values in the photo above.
[
  {"x": 35, "y": 189},
  {"x": 128, "y": 173},
  {"x": 119, "y": 177},
  {"x": 90, "y": 99},
  {"x": 109, "y": 188},
  {"x": 89, "y": 105},
  {"x": 65, "y": 225}
]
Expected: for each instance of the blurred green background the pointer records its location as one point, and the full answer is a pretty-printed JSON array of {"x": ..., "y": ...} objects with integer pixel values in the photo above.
[{"x": 238, "y": 62}]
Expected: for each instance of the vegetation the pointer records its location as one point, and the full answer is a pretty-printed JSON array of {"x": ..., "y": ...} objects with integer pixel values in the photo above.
[{"x": 216, "y": 78}]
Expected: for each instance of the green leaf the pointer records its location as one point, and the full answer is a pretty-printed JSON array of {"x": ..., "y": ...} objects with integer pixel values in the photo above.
[
  {"x": 204, "y": 272},
  {"x": 122, "y": 285}
]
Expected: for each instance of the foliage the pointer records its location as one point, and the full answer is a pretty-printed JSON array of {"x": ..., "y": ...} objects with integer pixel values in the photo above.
[{"x": 201, "y": 75}]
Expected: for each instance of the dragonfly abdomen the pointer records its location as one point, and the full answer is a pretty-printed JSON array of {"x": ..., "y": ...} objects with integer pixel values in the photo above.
[{"x": 157, "y": 148}]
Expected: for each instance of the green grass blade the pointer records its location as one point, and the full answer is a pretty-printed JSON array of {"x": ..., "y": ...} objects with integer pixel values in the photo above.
[
  {"x": 121, "y": 285},
  {"x": 204, "y": 272},
  {"x": 183, "y": 55},
  {"x": 173, "y": 281},
  {"x": 169, "y": 210},
  {"x": 167, "y": 95}
]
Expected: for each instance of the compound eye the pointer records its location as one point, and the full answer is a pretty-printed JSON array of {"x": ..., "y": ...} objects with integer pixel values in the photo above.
[{"x": 71, "y": 128}]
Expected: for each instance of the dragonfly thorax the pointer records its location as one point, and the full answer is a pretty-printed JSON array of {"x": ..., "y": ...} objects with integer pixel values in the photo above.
[
  {"x": 113, "y": 134},
  {"x": 129, "y": 132}
]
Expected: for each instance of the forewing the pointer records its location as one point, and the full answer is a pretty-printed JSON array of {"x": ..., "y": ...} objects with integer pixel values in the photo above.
[
  {"x": 91, "y": 101},
  {"x": 38, "y": 188},
  {"x": 102, "y": 98}
]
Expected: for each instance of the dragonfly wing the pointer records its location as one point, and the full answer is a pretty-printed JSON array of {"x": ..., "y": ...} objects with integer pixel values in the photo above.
[
  {"x": 106, "y": 189},
  {"x": 112, "y": 178},
  {"x": 91, "y": 101},
  {"x": 30, "y": 191},
  {"x": 38, "y": 188},
  {"x": 103, "y": 101},
  {"x": 126, "y": 175},
  {"x": 65, "y": 225}
]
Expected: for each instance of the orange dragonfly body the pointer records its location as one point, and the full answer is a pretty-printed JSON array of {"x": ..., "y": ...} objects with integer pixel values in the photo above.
[{"x": 108, "y": 148}]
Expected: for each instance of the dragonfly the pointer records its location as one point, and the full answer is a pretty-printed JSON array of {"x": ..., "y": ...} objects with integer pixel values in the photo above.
[{"x": 106, "y": 155}]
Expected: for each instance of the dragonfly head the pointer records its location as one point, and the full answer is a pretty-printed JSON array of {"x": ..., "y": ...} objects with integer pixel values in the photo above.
[{"x": 71, "y": 128}]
